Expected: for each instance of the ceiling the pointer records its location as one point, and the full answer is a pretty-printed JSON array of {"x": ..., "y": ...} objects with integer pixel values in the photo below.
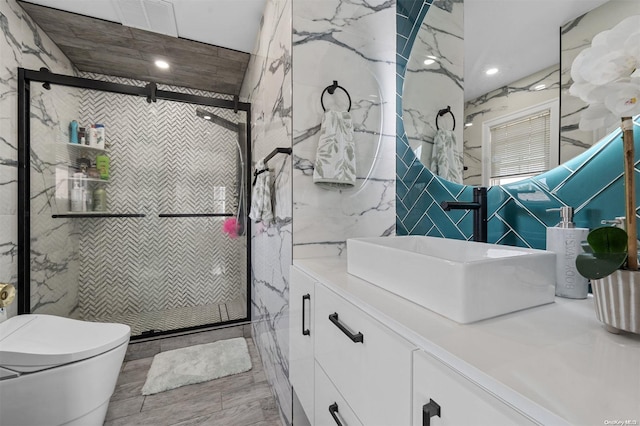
[
  {"x": 206, "y": 42},
  {"x": 519, "y": 37}
]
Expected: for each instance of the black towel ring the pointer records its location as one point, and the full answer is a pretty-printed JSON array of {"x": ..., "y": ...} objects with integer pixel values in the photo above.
[
  {"x": 331, "y": 89},
  {"x": 443, "y": 112}
]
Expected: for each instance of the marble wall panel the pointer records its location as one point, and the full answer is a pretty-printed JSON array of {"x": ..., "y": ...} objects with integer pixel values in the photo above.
[
  {"x": 267, "y": 86},
  {"x": 25, "y": 45},
  {"x": 352, "y": 42},
  {"x": 429, "y": 88}
]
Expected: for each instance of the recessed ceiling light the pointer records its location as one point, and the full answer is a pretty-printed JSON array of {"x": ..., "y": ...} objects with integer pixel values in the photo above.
[
  {"x": 468, "y": 124},
  {"x": 162, "y": 64},
  {"x": 540, "y": 87},
  {"x": 491, "y": 71}
]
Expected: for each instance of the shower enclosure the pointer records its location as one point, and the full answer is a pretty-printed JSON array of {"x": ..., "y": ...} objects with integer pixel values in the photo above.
[{"x": 132, "y": 231}]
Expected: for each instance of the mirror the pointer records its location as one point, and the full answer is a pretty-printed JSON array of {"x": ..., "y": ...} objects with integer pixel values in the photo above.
[{"x": 436, "y": 77}]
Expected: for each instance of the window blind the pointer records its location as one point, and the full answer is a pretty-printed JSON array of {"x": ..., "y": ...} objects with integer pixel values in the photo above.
[{"x": 521, "y": 146}]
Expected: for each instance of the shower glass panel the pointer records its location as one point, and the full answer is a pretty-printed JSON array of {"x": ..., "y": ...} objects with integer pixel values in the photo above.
[{"x": 155, "y": 257}]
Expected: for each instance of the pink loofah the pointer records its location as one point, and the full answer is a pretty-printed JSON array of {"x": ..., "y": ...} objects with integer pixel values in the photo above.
[{"x": 231, "y": 227}]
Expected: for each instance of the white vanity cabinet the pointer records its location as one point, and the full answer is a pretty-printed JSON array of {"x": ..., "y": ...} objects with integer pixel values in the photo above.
[
  {"x": 301, "y": 338},
  {"x": 382, "y": 358},
  {"x": 331, "y": 408},
  {"x": 360, "y": 365},
  {"x": 369, "y": 364},
  {"x": 446, "y": 398}
]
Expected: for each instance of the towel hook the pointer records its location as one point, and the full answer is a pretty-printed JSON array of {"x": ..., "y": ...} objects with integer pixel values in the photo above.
[
  {"x": 331, "y": 89},
  {"x": 443, "y": 112}
]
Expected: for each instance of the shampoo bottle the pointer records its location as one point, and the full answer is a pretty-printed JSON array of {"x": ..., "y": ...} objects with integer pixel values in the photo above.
[
  {"x": 565, "y": 240},
  {"x": 73, "y": 132}
]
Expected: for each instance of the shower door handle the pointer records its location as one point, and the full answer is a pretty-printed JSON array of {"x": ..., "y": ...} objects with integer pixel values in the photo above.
[{"x": 305, "y": 332}]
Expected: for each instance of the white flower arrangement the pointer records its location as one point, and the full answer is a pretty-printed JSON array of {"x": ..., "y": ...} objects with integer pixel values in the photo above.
[{"x": 607, "y": 76}]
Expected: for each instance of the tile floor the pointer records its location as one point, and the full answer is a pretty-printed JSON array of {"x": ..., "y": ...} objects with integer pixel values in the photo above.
[{"x": 240, "y": 400}]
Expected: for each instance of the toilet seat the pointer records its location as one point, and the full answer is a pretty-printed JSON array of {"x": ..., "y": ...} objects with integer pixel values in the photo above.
[{"x": 35, "y": 342}]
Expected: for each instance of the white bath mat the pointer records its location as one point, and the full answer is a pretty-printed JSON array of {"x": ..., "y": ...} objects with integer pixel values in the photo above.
[{"x": 196, "y": 364}]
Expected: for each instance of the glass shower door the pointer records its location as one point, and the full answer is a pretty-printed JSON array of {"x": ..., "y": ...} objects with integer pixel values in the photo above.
[{"x": 156, "y": 258}]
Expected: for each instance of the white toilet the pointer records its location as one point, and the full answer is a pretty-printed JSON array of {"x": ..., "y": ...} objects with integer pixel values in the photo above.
[{"x": 58, "y": 371}]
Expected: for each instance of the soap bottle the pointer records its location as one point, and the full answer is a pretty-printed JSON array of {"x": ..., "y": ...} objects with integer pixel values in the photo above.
[
  {"x": 77, "y": 195},
  {"x": 565, "y": 240}
]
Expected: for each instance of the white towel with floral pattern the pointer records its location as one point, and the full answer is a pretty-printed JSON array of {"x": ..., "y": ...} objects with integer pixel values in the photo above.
[
  {"x": 335, "y": 158},
  {"x": 261, "y": 208},
  {"x": 445, "y": 158}
]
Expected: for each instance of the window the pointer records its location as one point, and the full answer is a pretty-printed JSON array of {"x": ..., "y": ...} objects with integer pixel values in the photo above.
[{"x": 520, "y": 145}]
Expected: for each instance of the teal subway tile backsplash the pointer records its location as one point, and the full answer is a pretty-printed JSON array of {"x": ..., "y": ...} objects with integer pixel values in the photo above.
[{"x": 591, "y": 182}]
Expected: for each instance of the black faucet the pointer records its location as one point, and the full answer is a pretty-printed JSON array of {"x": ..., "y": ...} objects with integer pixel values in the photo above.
[{"x": 479, "y": 207}]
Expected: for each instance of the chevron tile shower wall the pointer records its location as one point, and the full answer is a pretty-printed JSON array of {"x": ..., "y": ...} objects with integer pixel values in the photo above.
[
  {"x": 591, "y": 182},
  {"x": 154, "y": 273}
]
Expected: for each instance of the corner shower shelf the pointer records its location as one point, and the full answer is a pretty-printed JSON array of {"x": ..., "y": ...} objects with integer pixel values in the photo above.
[
  {"x": 79, "y": 146},
  {"x": 89, "y": 180},
  {"x": 96, "y": 215}
]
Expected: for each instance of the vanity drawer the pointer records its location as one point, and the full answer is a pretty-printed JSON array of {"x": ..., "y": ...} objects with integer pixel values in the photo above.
[
  {"x": 461, "y": 401},
  {"x": 330, "y": 403},
  {"x": 368, "y": 363}
]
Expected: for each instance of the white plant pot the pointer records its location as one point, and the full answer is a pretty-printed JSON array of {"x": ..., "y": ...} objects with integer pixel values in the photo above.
[{"x": 617, "y": 301}]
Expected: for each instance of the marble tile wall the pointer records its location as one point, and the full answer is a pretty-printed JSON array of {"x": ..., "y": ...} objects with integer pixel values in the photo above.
[
  {"x": 352, "y": 42},
  {"x": 575, "y": 36},
  {"x": 427, "y": 88},
  {"x": 267, "y": 86},
  {"x": 23, "y": 44},
  {"x": 55, "y": 258},
  {"x": 500, "y": 102}
]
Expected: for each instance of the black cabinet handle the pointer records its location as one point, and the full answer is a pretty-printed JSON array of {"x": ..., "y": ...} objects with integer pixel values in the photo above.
[
  {"x": 305, "y": 332},
  {"x": 429, "y": 410},
  {"x": 333, "y": 410},
  {"x": 355, "y": 338}
]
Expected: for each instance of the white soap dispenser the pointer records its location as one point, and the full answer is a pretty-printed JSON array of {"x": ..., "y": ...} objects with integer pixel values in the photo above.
[{"x": 565, "y": 240}]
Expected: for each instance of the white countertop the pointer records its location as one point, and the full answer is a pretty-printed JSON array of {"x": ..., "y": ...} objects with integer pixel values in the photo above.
[{"x": 556, "y": 356}]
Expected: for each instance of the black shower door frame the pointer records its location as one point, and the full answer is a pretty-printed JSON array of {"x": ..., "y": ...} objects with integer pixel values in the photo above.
[{"x": 152, "y": 93}]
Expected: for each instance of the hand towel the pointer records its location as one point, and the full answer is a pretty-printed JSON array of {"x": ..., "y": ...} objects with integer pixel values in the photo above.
[
  {"x": 445, "y": 159},
  {"x": 261, "y": 209},
  {"x": 335, "y": 163}
]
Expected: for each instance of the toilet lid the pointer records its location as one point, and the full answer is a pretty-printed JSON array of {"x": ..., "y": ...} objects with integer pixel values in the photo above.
[{"x": 35, "y": 342}]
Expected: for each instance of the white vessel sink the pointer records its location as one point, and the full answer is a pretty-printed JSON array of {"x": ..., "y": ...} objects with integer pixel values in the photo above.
[{"x": 462, "y": 280}]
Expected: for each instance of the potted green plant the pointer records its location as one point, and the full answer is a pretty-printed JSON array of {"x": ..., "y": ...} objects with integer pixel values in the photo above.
[
  {"x": 616, "y": 288},
  {"x": 607, "y": 77}
]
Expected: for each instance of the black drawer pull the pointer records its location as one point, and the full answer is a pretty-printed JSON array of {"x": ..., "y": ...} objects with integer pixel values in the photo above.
[
  {"x": 355, "y": 338},
  {"x": 305, "y": 331},
  {"x": 429, "y": 410},
  {"x": 333, "y": 409}
]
